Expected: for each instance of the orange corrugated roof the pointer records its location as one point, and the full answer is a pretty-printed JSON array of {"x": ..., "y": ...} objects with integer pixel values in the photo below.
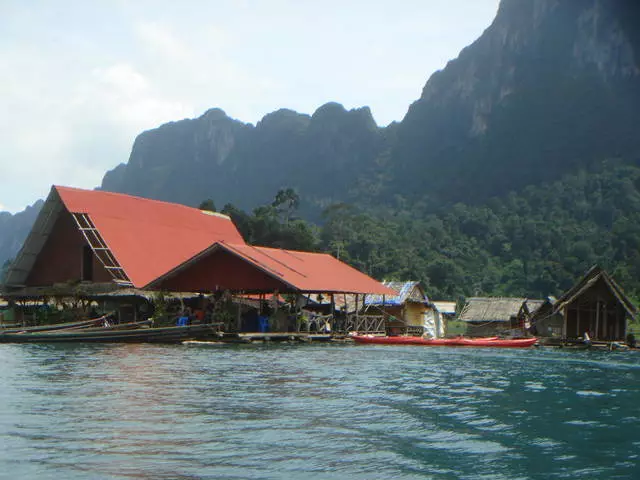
[
  {"x": 149, "y": 237},
  {"x": 309, "y": 272}
]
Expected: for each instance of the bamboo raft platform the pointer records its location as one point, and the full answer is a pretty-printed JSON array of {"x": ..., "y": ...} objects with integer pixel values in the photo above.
[
  {"x": 577, "y": 344},
  {"x": 261, "y": 337}
]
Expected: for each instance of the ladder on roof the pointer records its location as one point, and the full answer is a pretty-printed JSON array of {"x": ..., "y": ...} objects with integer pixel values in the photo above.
[{"x": 101, "y": 250}]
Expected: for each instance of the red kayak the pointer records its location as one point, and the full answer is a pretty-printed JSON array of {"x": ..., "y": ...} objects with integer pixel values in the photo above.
[{"x": 451, "y": 342}]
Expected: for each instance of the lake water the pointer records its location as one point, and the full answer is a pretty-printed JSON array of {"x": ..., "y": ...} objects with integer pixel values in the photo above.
[{"x": 316, "y": 411}]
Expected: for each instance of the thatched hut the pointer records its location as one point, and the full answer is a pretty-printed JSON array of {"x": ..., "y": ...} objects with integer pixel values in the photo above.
[
  {"x": 486, "y": 316},
  {"x": 595, "y": 304}
]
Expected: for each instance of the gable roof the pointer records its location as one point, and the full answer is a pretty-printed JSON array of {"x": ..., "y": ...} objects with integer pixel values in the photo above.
[
  {"x": 147, "y": 237},
  {"x": 300, "y": 271},
  {"x": 404, "y": 292},
  {"x": 491, "y": 309},
  {"x": 593, "y": 275}
]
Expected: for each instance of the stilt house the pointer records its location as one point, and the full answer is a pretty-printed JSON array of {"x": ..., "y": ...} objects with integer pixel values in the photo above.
[
  {"x": 597, "y": 305},
  {"x": 114, "y": 241}
]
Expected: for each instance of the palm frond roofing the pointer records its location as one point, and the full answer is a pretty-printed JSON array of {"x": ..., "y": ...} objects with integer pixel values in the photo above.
[
  {"x": 589, "y": 280},
  {"x": 487, "y": 309}
]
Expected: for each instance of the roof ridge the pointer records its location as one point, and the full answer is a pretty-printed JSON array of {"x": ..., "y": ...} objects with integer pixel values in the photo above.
[{"x": 140, "y": 198}]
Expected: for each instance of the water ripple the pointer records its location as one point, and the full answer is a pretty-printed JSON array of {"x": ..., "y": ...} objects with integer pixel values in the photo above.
[{"x": 325, "y": 412}]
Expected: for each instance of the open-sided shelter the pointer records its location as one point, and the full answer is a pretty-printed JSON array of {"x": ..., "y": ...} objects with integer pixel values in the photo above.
[
  {"x": 114, "y": 240},
  {"x": 597, "y": 305}
]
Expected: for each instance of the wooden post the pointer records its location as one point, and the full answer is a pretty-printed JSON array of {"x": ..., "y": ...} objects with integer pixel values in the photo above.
[
  {"x": 618, "y": 323},
  {"x": 578, "y": 323},
  {"x": 239, "y": 318},
  {"x": 564, "y": 323}
]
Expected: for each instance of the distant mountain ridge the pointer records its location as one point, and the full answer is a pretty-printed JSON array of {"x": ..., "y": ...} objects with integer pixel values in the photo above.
[
  {"x": 15, "y": 228},
  {"x": 550, "y": 88},
  {"x": 215, "y": 156}
]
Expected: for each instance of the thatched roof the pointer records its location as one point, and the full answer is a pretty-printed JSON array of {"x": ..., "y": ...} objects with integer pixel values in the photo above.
[
  {"x": 491, "y": 309},
  {"x": 590, "y": 279},
  {"x": 91, "y": 291}
]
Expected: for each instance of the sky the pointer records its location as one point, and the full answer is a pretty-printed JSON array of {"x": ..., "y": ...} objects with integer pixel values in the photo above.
[{"x": 79, "y": 80}]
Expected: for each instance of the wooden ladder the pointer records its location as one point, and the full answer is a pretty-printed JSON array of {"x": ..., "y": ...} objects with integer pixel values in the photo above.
[{"x": 101, "y": 250}]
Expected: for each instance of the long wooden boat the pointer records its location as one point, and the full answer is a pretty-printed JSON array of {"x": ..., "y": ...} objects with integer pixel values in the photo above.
[
  {"x": 449, "y": 342},
  {"x": 89, "y": 323},
  {"x": 107, "y": 335},
  {"x": 116, "y": 326}
]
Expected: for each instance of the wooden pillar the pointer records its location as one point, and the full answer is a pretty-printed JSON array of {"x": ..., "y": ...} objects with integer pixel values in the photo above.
[
  {"x": 578, "y": 323},
  {"x": 617, "y": 323},
  {"x": 239, "y": 318},
  {"x": 564, "y": 323},
  {"x": 357, "y": 299},
  {"x": 333, "y": 305}
]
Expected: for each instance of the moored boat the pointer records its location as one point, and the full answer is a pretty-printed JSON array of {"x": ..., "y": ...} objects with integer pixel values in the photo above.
[
  {"x": 450, "y": 342},
  {"x": 110, "y": 335},
  {"x": 88, "y": 323}
]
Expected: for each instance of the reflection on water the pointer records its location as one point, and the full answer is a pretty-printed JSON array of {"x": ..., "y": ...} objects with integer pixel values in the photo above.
[{"x": 325, "y": 411}]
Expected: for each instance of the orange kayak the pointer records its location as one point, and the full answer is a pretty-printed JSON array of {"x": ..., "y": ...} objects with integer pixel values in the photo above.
[{"x": 453, "y": 342}]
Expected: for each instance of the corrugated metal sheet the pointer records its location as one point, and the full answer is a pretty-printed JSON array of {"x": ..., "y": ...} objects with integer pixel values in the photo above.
[
  {"x": 447, "y": 308},
  {"x": 147, "y": 237},
  {"x": 151, "y": 239},
  {"x": 309, "y": 272},
  {"x": 403, "y": 292},
  {"x": 298, "y": 271}
]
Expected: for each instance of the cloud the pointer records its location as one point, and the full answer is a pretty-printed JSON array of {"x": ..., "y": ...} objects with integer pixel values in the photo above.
[{"x": 78, "y": 84}]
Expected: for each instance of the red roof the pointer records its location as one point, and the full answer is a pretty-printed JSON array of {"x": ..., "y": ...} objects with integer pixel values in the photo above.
[
  {"x": 149, "y": 237},
  {"x": 301, "y": 271}
]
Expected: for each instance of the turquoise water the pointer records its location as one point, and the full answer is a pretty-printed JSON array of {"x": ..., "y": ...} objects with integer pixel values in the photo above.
[{"x": 324, "y": 411}]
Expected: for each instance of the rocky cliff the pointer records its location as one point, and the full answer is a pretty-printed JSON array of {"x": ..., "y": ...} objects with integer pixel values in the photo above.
[
  {"x": 551, "y": 86},
  {"x": 217, "y": 157},
  {"x": 14, "y": 229}
]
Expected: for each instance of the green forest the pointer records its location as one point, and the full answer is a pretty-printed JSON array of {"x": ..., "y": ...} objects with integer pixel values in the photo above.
[{"x": 532, "y": 244}]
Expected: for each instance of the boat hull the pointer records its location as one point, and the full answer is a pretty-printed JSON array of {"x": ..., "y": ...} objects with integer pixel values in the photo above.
[
  {"x": 142, "y": 335},
  {"x": 446, "y": 342},
  {"x": 90, "y": 323}
]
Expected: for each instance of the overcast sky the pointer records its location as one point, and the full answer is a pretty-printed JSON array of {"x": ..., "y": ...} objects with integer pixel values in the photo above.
[{"x": 80, "y": 79}]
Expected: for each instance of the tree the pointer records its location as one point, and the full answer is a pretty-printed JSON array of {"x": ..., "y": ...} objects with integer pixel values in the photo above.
[
  {"x": 207, "y": 205},
  {"x": 286, "y": 202}
]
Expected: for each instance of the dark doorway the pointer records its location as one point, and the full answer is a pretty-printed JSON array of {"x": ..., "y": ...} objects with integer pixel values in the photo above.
[{"x": 87, "y": 263}]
